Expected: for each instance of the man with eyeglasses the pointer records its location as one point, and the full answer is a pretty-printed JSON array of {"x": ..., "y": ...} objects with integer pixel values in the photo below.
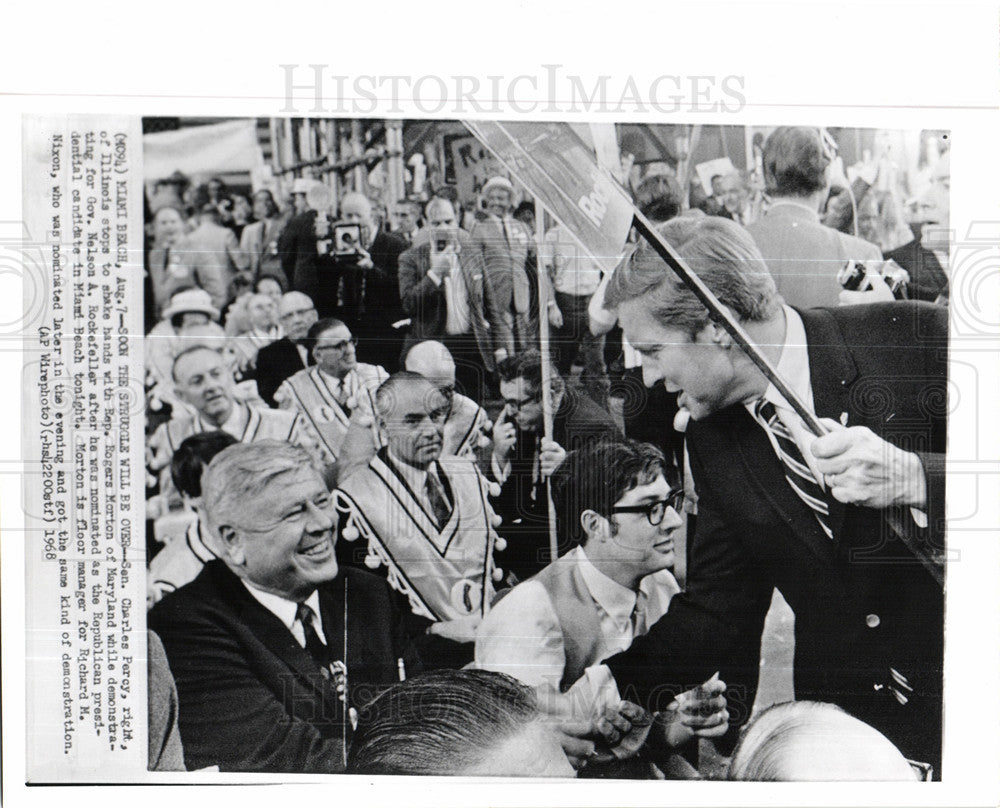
[
  {"x": 424, "y": 517},
  {"x": 329, "y": 393},
  {"x": 522, "y": 458},
  {"x": 622, "y": 514},
  {"x": 284, "y": 357}
]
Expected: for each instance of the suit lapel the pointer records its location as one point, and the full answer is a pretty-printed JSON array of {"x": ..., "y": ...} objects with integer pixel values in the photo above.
[
  {"x": 275, "y": 636},
  {"x": 831, "y": 372},
  {"x": 764, "y": 471}
]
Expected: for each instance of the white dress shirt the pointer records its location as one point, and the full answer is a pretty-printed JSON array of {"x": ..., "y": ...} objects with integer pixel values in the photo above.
[
  {"x": 287, "y": 611},
  {"x": 521, "y": 636},
  {"x": 417, "y": 479}
]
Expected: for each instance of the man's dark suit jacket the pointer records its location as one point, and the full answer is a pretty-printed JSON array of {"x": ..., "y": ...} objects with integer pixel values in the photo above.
[
  {"x": 577, "y": 423},
  {"x": 307, "y": 271},
  {"x": 863, "y": 604},
  {"x": 425, "y": 304},
  {"x": 275, "y": 363},
  {"x": 251, "y": 698},
  {"x": 928, "y": 281}
]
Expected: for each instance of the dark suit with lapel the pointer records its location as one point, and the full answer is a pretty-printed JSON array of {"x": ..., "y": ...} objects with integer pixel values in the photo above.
[
  {"x": 863, "y": 604},
  {"x": 424, "y": 300},
  {"x": 275, "y": 363},
  {"x": 928, "y": 280},
  {"x": 251, "y": 698},
  {"x": 309, "y": 272},
  {"x": 371, "y": 301}
]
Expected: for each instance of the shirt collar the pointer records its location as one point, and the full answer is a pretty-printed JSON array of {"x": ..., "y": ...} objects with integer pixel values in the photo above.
[
  {"x": 236, "y": 422},
  {"x": 618, "y": 601},
  {"x": 793, "y": 365},
  {"x": 415, "y": 478},
  {"x": 798, "y": 206},
  {"x": 282, "y": 608},
  {"x": 333, "y": 381}
]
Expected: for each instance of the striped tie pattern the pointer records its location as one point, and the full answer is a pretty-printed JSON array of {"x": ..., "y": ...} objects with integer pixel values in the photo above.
[{"x": 798, "y": 474}]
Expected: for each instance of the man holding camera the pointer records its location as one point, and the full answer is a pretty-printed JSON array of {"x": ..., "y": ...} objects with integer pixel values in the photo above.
[
  {"x": 441, "y": 286},
  {"x": 803, "y": 255},
  {"x": 369, "y": 292}
]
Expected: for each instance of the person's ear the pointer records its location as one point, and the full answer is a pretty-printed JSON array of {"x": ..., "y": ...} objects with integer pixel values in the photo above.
[
  {"x": 594, "y": 525},
  {"x": 232, "y": 542},
  {"x": 718, "y": 335}
]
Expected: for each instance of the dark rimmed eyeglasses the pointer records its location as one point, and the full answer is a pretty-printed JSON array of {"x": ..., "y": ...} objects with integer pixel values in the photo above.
[
  {"x": 513, "y": 405},
  {"x": 655, "y": 511},
  {"x": 338, "y": 346}
]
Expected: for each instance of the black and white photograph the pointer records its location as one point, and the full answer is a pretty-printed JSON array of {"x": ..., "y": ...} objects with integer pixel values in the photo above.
[
  {"x": 539, "y": 450},
  {"x": 553, "y": 404}
]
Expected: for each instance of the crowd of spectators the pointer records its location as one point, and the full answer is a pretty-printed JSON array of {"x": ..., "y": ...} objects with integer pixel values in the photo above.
[{"x": 359, "y": 460}]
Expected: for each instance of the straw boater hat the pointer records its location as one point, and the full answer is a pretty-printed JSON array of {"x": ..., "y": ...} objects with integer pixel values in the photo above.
[
  {"x": 498, "y": 182},
  {"x": 197, "y": 300}
]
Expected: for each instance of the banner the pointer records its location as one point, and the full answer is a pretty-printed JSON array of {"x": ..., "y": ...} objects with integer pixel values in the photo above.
[{"x": 551, "y": 161}]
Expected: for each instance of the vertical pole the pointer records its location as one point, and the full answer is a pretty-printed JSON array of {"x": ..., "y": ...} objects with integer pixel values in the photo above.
[{"x": 543, "y": 349}]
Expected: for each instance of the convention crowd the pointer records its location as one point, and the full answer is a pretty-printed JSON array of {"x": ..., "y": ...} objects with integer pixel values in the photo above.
[{"x": 388, "y": 534}]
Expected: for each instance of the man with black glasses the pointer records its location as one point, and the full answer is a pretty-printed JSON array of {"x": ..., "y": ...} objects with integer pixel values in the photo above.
[
  {"x": 328, "y": 394},
  {"x": 616, "y": 581},
  {"x": 606, "y": 591},
  {"x": 522, "y": 458}
]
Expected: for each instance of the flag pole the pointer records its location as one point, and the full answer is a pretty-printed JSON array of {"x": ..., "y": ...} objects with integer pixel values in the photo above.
[{"x": 543, "y": 350}]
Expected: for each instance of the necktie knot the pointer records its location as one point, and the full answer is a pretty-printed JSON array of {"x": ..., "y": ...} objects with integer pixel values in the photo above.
[{"x": 314, "y": 645}]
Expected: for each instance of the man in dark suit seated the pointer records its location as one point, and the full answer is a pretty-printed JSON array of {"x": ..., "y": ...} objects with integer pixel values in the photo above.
[
  {"x": 522, "y": 458},
  {"x": 780, "y": 508},
  {"x": 273, "y": 647},
  {"x": 288, "y": 355}
]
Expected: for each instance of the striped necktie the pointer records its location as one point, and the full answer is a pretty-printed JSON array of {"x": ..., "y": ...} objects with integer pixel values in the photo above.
[{"x": 797, "y": 472}]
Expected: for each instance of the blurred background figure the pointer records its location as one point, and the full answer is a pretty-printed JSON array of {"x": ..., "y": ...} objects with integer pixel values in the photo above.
[
  {"x": 166, "y": 272},
  {"x": 260, "y": 238},
  {"x": 472, "y": 723},
  {"x": 803, "y": 255},
  {"x": 407, "y": 216},
  {"x": 814, "y": 741}
]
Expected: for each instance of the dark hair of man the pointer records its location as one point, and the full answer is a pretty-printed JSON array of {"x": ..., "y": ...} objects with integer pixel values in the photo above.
[
  {"x": 447, "y": 192},
  {"x": 386, "y": 394},
  {"x": 439, "y": 723},
  {"x": 317, "y": 329},
  {"x": 193, "y": 455},
  {"x": 795, "y": 161},
  {"x": 595, "y": 477},
  {"x": 528, "y": 366},
  {"x": 658, "y": 198},
  {"x": 720, "y": 252}
]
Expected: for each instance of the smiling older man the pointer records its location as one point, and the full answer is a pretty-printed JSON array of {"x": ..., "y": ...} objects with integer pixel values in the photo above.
[{"x": 273, "y": 646}]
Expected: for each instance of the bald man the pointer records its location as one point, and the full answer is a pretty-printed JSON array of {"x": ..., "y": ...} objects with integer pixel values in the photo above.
[
  {"x": 466, "y": 426},
  {"x": 288, "y": 355},
  {"x": 422, "y": 516}
]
